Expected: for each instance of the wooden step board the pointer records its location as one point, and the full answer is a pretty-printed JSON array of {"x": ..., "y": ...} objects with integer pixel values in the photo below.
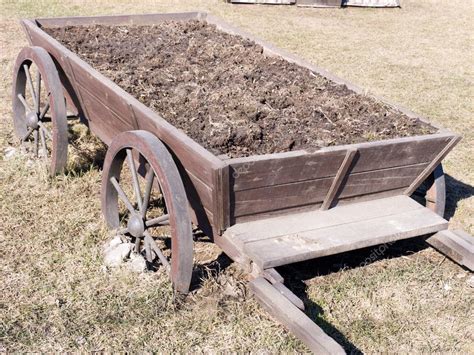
[{"x": 302, "y": 236}]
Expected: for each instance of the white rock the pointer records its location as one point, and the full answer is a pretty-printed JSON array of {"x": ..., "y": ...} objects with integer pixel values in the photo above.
[
  {"x": 112, "y": 244},
  {"x": 470, "y": 281},
  {"x": 42, "y": 152},
  {"x": 115, "y": 256},
  {"x": 137, "y": 263},
  {"x": 9, "y": 153}
]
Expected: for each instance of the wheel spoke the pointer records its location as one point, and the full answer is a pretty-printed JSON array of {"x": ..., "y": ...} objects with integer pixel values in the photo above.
[
  {"x": 43, "y": 143},
  {"x": 30, "y": 83},
  {"x": 137, "y": 245},
  {"x": 36, "y": 142},
  {"x": 38, "y": 91},
  {"x": 122, "y": 195},
  {"x": 148, "y": 250},
  {"x": 157, "y": 251},
  {"x": 45, "y": 130},
  {"x": 28, "y": 133},
  {"x": 150, "y": 175},
  {"x": 23, "y": 101},
  {"x": 136, "y": 184},
  {"x": 162, "y": 220},
  {"x": 44, "y": 111}
]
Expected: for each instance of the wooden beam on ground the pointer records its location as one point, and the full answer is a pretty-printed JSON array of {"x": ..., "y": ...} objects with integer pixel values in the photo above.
[
  {"x": 456, "y": 245},
  {"x": 286, "y": 292},
  {"x": 272, "y": 276},
  {"x": 275, "y": 2},
  {"x": 338, "y": 179},
  {"x": 319, "y": 3},
  {"x": 293, "y": 319}
]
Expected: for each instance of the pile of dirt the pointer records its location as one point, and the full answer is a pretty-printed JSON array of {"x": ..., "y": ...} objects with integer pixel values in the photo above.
[{"x": 223, "y": 92}]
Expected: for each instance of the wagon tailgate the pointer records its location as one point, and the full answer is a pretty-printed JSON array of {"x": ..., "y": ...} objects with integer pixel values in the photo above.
[{"x": 279, "y": 182}]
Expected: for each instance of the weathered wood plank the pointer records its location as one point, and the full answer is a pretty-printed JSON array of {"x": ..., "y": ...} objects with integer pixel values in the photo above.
[
  {"x": 105, "y": 123},
  {"x": 337, "y": 239},
  {"x": 285, "y": 291},
  {"x": 306, "y": 221},
  {"x": 233, "y": 251},
  {"x": 144, "y": 19},
  {"x": 273, "y": 2},
  {"x": 281, "y": 168},
  {"x": 319, "y": 3},
  {"x": 273, "y": 276},
  {"x": 293, "y": 319},
  {"x": 338, "y": 179},
  {"x": 268, "y": 170},
  {"x": 279, "y": 197},
  {"x": 456, "y": 245}
]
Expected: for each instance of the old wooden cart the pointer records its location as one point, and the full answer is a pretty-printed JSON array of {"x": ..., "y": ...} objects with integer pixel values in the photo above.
[{"x": 262, "y": 211}]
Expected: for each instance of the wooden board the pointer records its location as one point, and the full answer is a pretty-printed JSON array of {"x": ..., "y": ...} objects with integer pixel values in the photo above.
[
  {"x": 319, "y": 3},
  {"x": 456, "y": 245},
  {"x": 297, "y": 237},
  {"x": 273, "y": 2},
  {"x": 293, "y": 319},
  {"x": 268, "y": 183}
]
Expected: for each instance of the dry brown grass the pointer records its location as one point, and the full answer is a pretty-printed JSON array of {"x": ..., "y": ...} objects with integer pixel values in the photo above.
[{"x": 56, "y": 295}]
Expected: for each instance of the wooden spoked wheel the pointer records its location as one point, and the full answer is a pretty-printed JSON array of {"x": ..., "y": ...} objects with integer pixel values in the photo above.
[
  {"x": 432, "y": 192},
  {"x": 39, "y": 109},
  {"x": 143, "y": 198}
]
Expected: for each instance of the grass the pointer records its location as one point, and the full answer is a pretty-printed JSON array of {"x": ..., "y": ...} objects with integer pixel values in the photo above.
[{"x": 56, "y": 295}]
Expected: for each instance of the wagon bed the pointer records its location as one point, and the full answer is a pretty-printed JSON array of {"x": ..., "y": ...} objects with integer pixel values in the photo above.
[{"x": 263, "y": 211}]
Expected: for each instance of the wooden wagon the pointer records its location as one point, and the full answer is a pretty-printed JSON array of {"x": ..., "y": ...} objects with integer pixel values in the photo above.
[{"x": 262, "y": 211}]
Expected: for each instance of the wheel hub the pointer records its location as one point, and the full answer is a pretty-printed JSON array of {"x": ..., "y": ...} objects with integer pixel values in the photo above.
[
  {"x": 32, "y": 120},
  {"x": 135, "y": 226}
]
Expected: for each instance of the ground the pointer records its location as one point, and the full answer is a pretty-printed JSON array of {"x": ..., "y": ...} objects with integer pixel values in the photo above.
[{"x": 399, "y": 298}]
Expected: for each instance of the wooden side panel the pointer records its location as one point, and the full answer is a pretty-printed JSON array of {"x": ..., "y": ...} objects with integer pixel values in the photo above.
[
  {"x": 145, "y": 19},
  {"x": 270, "y": 170},
  {"x": 269, "y": 184}
]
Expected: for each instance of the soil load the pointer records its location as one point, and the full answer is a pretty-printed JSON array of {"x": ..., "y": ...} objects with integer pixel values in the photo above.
[{"x": 223, "y": 92}]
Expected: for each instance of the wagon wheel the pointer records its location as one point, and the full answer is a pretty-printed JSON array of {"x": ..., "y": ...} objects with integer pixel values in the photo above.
[
  {"x": 39, "y": 110},
  {"x": 152, "y": 211},
  {"x": 432, "y": 192}
]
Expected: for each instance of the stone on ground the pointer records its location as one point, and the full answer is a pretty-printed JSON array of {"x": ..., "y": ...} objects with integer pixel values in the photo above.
[{"x": 116, "y": 255}]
